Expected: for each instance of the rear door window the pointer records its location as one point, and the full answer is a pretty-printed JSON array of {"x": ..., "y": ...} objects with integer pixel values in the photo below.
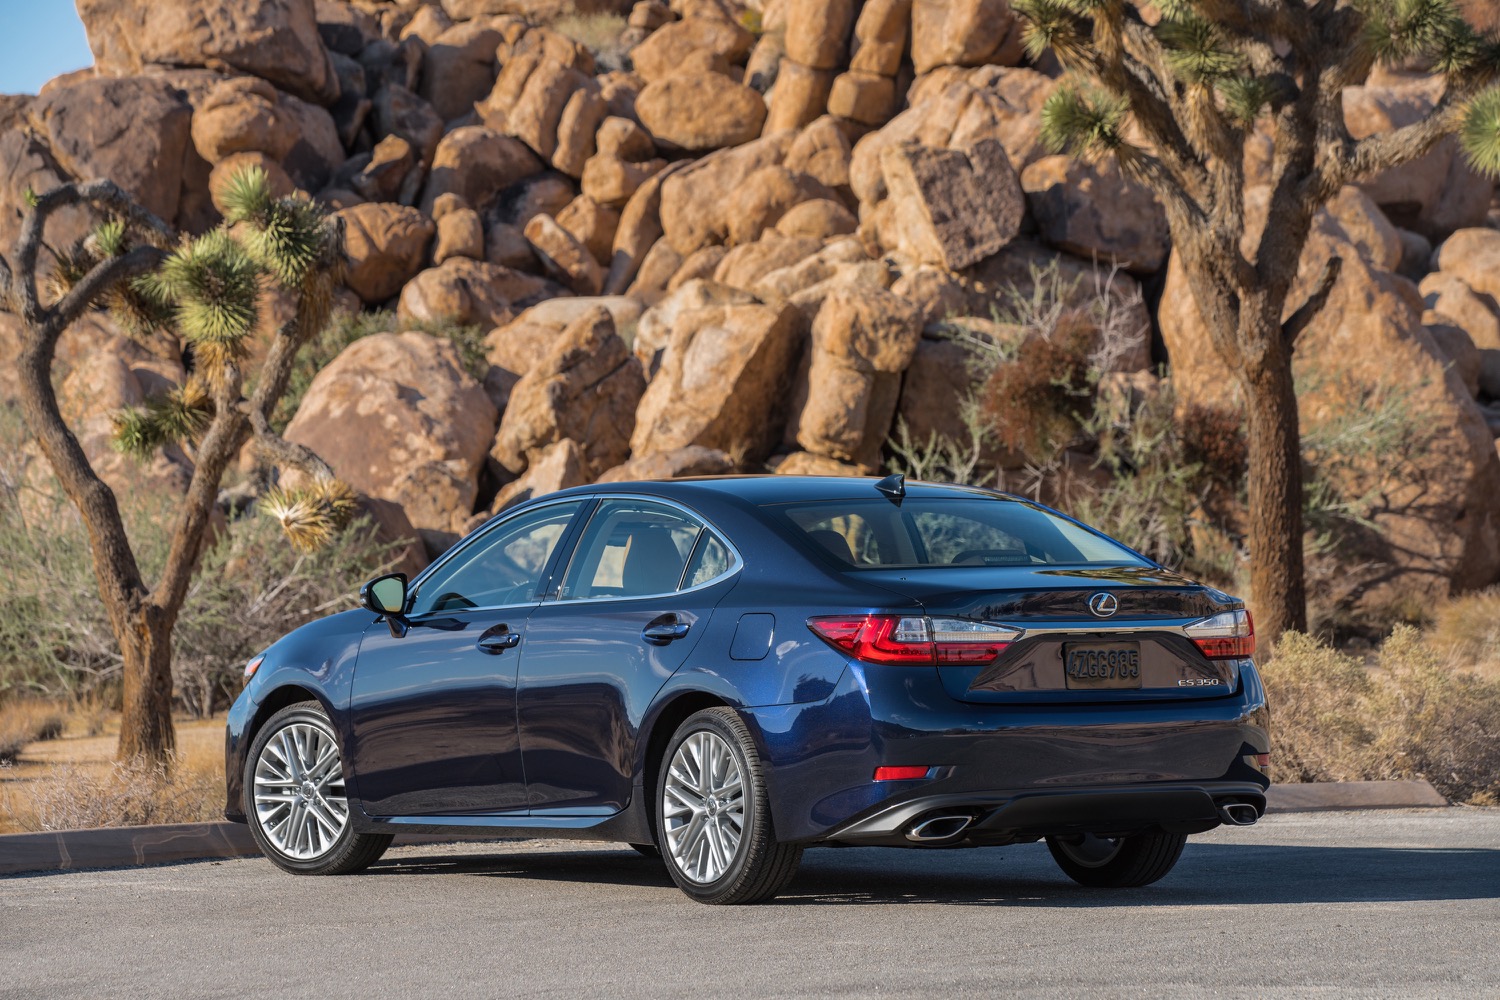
[{"x": 636, "y": 548}]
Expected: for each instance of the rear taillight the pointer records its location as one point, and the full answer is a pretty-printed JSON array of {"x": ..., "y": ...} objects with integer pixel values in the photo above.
[
  {"x": 1226, "y": 636},
  {"x": 914, "y": 640}
]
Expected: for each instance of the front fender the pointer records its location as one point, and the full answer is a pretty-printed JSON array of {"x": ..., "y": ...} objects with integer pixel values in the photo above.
[{"x": 315, "y": 661}]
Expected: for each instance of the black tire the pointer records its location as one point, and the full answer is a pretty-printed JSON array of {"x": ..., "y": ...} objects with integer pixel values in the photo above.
[
  {"x": 761, "y": 866},
  {"x": 348, "y": 852},
  {"x": 1136, "y": 860},
  {"x": 647, "y": 851}
]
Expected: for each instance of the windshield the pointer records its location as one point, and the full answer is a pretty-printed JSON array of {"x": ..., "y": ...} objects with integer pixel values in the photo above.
[{"x": 932, "y": 532}]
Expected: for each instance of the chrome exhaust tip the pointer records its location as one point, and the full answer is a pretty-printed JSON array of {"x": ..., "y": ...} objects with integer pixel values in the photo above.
[
  {"x": 1238, "y": 814},
  {"x": 942, "y": 827}
]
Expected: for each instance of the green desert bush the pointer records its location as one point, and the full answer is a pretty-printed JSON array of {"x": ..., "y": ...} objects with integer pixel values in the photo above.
[{"x": 1411, "y": 712}]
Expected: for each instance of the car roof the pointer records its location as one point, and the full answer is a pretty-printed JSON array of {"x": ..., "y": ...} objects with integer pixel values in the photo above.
[{"x": 760, "y": 490}]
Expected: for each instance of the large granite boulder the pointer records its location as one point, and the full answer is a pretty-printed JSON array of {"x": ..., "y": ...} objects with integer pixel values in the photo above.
[
  {"x": 586, "y": 388},
  {"x": 398, "y": 417},
  {"x": 276, "y": 40},
  {"x": 724, "y": 376}
]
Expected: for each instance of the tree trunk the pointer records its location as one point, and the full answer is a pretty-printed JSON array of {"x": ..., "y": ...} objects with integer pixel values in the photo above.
[
  {"x": 1277, "y": 584},
  {"x": 146, "y": 723}
]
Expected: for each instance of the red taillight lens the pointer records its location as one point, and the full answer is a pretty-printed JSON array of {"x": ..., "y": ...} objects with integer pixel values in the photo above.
[
  {"x": 877, "y": 638},
  {"x": 913, "y": 640},
  {"x": 1227, "y": 636},
  {"x": 901, "y": 773}
]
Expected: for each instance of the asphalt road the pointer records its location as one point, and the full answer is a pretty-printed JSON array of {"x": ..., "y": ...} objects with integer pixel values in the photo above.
[{"x": 1393, "y": 904}]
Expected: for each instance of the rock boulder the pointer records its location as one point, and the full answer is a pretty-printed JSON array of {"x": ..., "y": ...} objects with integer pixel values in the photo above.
[
  {"x": 586, "y": 387},
  {"x": 398, "y": 418},
  {"x": 724, "y": 376}
]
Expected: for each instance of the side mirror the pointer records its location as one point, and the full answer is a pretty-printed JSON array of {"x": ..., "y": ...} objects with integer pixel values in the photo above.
[{"x": 386, "y": 596}]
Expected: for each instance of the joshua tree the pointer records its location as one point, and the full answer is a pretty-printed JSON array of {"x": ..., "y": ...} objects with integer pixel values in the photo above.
[
  {"x": 1195, "y": 86},
  {"x": 205, "y": 290}
]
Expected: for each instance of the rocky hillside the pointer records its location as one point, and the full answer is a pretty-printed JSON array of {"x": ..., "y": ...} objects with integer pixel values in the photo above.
[{"x": 719, "y": 235}]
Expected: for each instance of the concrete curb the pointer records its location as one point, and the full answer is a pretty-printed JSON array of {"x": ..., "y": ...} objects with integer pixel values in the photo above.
[
  {"x": 1326, "y": 796},
  {"x": 129, "y": 846},
  {"x": 123, "y": 846},
  {"x": 126, "y": 846}
]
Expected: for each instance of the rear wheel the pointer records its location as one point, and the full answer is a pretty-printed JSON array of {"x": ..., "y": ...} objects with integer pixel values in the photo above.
[
  {"x": 714, "y": 815},
  {"x": 295, "y": 800},
  {"x": 1117, "y": 862}
]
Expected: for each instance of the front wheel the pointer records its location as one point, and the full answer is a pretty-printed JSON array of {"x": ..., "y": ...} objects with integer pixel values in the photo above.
[
  {"x": 295, "y": 801},
  {"x": 1117, "y": 862},
  {"x": 714, "y": 815}
]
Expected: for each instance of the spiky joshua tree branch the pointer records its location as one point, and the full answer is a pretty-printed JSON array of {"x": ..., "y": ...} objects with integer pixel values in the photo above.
[
  {"x": 205, "y": 291},
  {"x": 1174, "y": 103}
]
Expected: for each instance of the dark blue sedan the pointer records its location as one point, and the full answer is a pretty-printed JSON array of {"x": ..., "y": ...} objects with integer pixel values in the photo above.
[{"x": 725, "y": 672}]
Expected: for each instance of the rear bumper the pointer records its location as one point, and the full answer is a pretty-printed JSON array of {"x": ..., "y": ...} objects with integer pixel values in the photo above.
[
  {"x": 1018, "y": 771},
  {"x": 1006, "y": 818}
]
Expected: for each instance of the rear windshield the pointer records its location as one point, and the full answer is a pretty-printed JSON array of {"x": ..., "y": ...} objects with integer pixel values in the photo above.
[{"x": 930, "y": 532}]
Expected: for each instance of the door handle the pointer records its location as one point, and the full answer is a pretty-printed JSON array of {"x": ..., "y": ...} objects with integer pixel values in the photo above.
[
  {"x": 664, "y": 632},
  {"x": 496, "y": 643}
]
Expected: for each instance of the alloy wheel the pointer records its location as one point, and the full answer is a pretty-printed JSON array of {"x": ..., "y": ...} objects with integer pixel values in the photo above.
[
  {"x": 704, "y": 809},
  {"x": 300, "y": 800}
]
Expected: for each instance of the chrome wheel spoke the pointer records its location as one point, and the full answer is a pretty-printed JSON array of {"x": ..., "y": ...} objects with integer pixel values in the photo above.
[
  {"x": 298, "y": 791},
  {"x": 703, "y": 814}
]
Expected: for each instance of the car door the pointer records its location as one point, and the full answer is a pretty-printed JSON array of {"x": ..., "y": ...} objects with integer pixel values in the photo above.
[
  {"x": 433, "y": 710},
  {"x": 634, "y": 602}
]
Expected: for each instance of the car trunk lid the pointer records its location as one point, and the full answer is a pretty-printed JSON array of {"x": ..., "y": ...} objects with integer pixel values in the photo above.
[{"x": 1089, "y": 635}]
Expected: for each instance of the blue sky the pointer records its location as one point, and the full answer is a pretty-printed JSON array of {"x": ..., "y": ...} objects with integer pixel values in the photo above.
[{"x": 38, "y": 40}]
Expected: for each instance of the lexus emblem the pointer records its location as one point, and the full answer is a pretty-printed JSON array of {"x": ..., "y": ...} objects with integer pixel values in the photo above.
[{"x": 1104, "y": 605}]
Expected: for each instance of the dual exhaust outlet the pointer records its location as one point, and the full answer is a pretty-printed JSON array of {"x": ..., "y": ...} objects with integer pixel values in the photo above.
[
  {"x": 943, "y": 826},
  {"x": 1238, "y": 813},
  {"x": 948, "y": 826}
]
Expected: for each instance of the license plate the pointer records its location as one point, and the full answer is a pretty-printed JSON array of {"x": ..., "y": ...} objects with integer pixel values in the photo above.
[{"x": 1095, "y": 665}]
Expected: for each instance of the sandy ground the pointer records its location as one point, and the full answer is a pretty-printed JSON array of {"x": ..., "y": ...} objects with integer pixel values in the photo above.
[{"x": 199, "y": 741}]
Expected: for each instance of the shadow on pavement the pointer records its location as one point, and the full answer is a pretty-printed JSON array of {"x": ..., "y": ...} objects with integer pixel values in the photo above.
[{"x": 1208, "y": 874}]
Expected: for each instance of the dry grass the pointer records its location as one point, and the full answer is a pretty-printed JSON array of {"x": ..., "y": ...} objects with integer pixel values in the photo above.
[
  {"x": 1411, "y": 712},
  {"x": 1466, "y": 629},
  {"x": 26, "y": 721},
  {"x": 599, "y": 33},
  {"x": 75, "y": 784}
]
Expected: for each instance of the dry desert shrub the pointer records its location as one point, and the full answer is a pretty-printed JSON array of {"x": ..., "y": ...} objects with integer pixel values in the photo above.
[
  {"x": 24, "y": 721},
  {"x": 599, "y": 33},
  {"x": 189, "y": 788},
  {"x": 1466, "y": 629},
  {"x": 1410, "y": 713}
]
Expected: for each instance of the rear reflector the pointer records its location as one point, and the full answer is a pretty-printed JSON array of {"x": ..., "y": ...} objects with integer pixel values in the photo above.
[
  {"x": 1227, "y": 636},
  {"x": 900, "y": 773},
  {"x": 914, "y": 640}
]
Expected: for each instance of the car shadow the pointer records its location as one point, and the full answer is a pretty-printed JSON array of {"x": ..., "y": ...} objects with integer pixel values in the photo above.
[{"x": 1209, "y": 874}]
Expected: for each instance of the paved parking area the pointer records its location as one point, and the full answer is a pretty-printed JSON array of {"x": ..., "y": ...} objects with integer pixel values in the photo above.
[{"x": 1372, "y": 904}]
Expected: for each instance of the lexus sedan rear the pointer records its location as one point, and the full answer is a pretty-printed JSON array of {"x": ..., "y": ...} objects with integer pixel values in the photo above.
[{"x": 725, "y": 672}]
